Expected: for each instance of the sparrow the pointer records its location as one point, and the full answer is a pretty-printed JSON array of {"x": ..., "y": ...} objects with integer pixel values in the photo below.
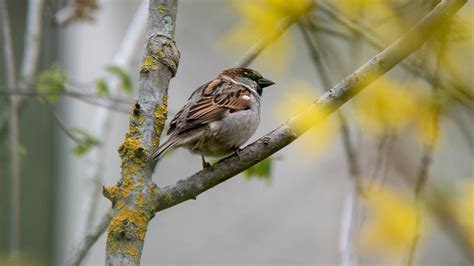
[{"x": 219, "y": 116}]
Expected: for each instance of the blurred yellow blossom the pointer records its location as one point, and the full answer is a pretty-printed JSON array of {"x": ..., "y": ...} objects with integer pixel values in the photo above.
[
  {"x": 299, "y": 98},
  {"x": 391, "y": 223},
  {"x": 388, "y": 106},
  {"x": 382, "y": 17},
  {"x": 464, "y": 206},
  {"x": 357, "y": 7},
  {"x": 385, "y": 106},
  {"x": 259, "y": 19}
]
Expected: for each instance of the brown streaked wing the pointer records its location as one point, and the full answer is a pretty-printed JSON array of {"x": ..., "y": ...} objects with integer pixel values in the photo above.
[{"x": 218, "y": 98}]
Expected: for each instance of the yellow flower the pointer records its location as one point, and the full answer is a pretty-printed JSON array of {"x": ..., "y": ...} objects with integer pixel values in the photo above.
[
  {"x": 298, "y": 101},
  {"x": 391, "y": 224},
  {"x": 259, "y": 18}
]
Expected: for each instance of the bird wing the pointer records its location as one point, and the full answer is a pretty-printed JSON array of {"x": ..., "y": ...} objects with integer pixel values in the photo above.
[{"x": 210, "y": 102}]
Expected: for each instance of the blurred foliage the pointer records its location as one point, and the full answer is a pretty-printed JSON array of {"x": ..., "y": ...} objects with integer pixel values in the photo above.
[
  {"x": 102, "y": 87},
  {"x": 388, "y": 106},
  {"x": 391, "y": 222},
  {"x": 124, "y": 76},
  {"x": 298, "y": 98},
  {"x": 21, "y": 260},
  {"x": 262, "y": 170},
  {"x": 52, "y": 81},
  {"x": 86, "y": 142},
  {"x": 259, "y": 19},
  {"x": 464, "y": 207}
]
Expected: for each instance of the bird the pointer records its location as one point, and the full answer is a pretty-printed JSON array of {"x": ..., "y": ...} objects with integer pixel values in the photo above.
[{"x": 219, "y": 116}]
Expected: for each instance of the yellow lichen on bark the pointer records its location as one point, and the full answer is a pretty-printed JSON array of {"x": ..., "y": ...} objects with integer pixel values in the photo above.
[
  {"x": 128, "y": 150},
  {"x": 113, "y": 245},
  {"x": 140, "y": 200},
  {"x": 161, "y": 112},
  {"x": 111, "y": 192},
  {"x": 162, "y": 9},
  {"x": 152, "y": 190},
  {"x": 130, "y": 249},
  {"x": 120, "y": 204},
  {"x": 149, "y": 64},
  {"x": 138, "y": 218}
]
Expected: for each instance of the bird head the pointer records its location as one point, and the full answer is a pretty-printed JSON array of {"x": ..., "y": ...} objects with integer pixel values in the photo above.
[{"x": 249, "y": 77}]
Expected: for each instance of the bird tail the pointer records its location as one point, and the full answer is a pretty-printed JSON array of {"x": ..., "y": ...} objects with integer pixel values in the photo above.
[{"x": 162, "y": 149}]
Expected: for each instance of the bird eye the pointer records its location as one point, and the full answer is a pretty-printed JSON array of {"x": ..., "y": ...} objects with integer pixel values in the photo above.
[{"x": 246, "y": 73}]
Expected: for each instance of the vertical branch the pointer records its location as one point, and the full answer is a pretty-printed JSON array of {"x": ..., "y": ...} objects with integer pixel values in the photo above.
[
  {"x": 426, "y": 158},
  {"x": 350, "y": 213},
  {"x": 33, "y": 39},
  {"x": 133, "y": 196},
  {"x": 101, "y": 125},
  {"x": 14, "y": 133}
]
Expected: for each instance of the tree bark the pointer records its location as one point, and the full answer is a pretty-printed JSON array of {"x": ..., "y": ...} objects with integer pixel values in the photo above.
[{"x": 132, "y": 197}]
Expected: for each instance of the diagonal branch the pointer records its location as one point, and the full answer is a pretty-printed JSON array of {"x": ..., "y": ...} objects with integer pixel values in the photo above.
[
  {"x": 258, "y": 47},
  {"x": 351, "y": 206},
  {"x": 191, "y": 187},
  {"x": 452, "y": 88}
]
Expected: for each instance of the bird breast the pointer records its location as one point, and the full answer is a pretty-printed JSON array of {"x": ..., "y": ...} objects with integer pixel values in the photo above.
[{"x": 232, "y": 131}]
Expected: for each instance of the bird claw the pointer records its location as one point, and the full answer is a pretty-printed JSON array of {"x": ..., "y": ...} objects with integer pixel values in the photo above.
[
  {"x": 205, "y": 164},
  {"x": 237, "y": 152}
]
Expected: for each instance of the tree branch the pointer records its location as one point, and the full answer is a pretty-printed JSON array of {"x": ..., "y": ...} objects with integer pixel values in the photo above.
[
  {"x": 450, "y": 87},
  {"x": 33, "y": 39},
  {"x": 14, "y": 134},
  {"x": 132, "y": 197},
  {"x": 108, "y": 102},
  {"x": 94, "y": 172},
  {"x": 258, "y": 47},
  {"x": 80, "y": 252},
  {"x": 426, "y": 158},
  {"x": 351, "y": 206},
  {"x": 191, "y": 187}
]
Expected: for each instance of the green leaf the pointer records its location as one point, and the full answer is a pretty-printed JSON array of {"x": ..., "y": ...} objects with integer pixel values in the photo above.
[
  {"x": 124, "y": 77},
  {"x": 102, "y": 87},
  {"x": 52, "y": 81},
  {"x": 87, "y": 142},
  {"x": 262, "y": 170}
]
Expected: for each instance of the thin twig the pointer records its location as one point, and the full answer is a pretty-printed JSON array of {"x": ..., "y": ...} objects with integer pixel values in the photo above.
[
  {"x": 33, "y": 39},
  {"x": 14, "y": 134},
  {"x": 108, "y": 102},
  {"x": 59, "y": 123},
  {"x": 450, "y": 87},
  {"x": 76, "y": 10},
  {"x": 349, "y": 218},
  {"x": 426, "y": 159},
  {"x": 83, "y": 247},
  {"x": 258, "y": 47}
]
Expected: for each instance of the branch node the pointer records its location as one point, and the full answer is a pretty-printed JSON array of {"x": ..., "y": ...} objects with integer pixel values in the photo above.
[
  {"x": 163, "y": 49},
  {"x": 110, "y": 192}
]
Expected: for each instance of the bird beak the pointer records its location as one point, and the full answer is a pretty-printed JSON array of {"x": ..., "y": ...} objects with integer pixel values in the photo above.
[{"x": 263, "y": 82}]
